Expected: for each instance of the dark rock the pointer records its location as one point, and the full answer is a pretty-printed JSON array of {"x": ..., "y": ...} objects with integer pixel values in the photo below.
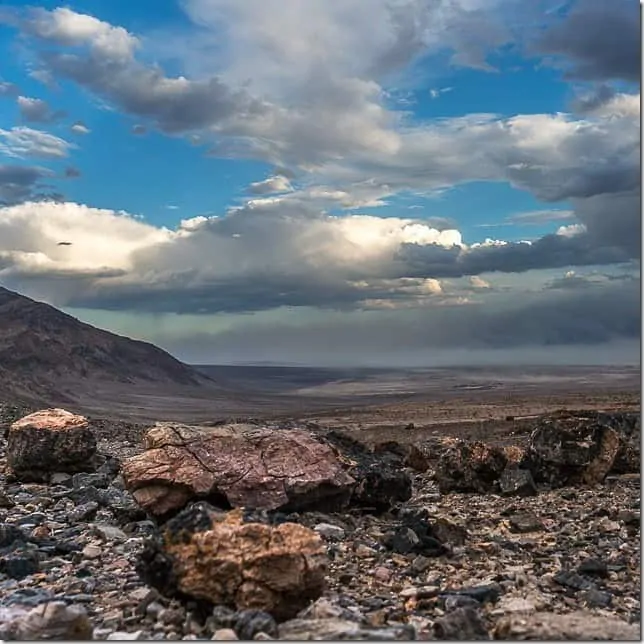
[
  {"x": 597, "y": 598},
  {"x": 571, "y": 448},
  {"x": 573, "y": 580},
  {"x": 452, "y": 602},
  {"x": 83, "y": 512},
  {"x": 381, "y": 481},
  {"x": 415, "y": 534},
  {"x": 461, "y": 624},
  {"x": 517, "y": 482},
  {"x": 247, "y": 623},
  {"x": 470, "y": 467},
  {"x": 11, "y": 535},
  {"x": 409, "y": 454},
  {"x": 593, "y": 567},
  {"x": 485, "y": 593},
  {"x": 19, "y": 563},
  {"x": 27, "y": 597}
]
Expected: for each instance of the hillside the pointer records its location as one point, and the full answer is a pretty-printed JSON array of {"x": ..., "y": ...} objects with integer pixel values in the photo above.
[{"x": 45, "y": 354}]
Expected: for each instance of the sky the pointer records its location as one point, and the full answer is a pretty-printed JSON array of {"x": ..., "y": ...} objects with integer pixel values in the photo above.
[{"x": 364, "y": 182}]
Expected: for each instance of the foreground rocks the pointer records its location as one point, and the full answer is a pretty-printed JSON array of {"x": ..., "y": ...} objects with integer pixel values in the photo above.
[
  {"x": 228, "y": 559},
  {"x": 237, "y": 465},
  {"x": 563, "y": 564},
  {"x": 47, "y": 441},
  {"x": 260, "y": 467}
]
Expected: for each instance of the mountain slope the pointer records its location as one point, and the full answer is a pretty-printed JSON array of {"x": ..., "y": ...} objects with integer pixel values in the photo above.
[{"x": 45, "y": 353}]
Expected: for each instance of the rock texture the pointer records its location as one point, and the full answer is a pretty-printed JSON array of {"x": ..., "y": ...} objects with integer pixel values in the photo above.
[
  {"x": 237, "y": 465},
  {"x": 569, "y": 449},
  {"x": 580, "y": 625},
  {"x": 47, "y": 441},
  {"x": 470, "y": 467},
  {"x": 223, "y": 559}
]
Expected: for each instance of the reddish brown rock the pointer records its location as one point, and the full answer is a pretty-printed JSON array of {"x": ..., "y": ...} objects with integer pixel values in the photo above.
[
  {"x": 236, "y": 465},
  {"x": 410, "y": 455},
  {"x": 221, "y": 559},
  {"x": 47, "y": 441}
]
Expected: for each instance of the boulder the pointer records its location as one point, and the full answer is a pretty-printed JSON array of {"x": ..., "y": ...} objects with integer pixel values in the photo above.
[
  {"x": 224, "y": 559},
  {"x": 570, "y": 449},
  {"x": 236, "y": 465},
  {"x": 49, "y": 441},
  {"x": 381, "y": 479},
  {"x": 579, "y": 625},
  {"x": 470, "y": 467},
  {"x": 628, "y": 426}
]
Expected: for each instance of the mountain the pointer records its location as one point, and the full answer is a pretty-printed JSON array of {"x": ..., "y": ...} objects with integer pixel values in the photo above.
[{"x": 47, "y": 355}]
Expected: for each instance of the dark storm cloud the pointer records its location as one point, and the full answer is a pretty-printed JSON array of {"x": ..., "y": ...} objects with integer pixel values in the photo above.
[
  {"x": 599, "y": 40},
  {"x": 595, "y": 316},
  {"x": 20, "y": 183}
]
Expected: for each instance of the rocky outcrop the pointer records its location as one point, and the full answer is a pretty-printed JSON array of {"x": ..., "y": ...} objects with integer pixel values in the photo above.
[
  {"x": 470, "y": 467},
  {"x": 381, "y": 479},
  {"x": 410, "y": 455},
  {"x": 236, "y": 465},
  {"x": 49, "y": 441},
  {"x": 571, "y": 449},
  {"x": 221, "y": 558}
]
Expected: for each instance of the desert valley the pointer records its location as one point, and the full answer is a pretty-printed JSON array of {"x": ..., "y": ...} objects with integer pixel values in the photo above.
[{"x": 443, "y": 503}]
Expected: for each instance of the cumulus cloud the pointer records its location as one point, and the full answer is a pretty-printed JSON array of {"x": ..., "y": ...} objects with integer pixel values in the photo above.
[
  {"x": 36, "y": 110},
  {"x": 261, "y": 256},
  {"x": 25, "y": 142}
]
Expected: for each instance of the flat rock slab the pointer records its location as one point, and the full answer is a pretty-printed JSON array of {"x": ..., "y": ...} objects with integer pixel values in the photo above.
[{"x": 236, "y": 465}]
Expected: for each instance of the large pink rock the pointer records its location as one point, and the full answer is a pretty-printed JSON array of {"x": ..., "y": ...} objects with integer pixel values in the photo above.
[
  {"x": 239, "y": 465},
  {"x": 50, "y": 440}
]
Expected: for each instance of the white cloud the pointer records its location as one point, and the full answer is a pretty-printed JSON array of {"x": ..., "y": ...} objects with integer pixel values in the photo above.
[
  {"x": 273, "y": 184},
  {"x": 25, "y": 142},
  {"x": 80, "y": 128},
  {"x": 35, "y": 110}
]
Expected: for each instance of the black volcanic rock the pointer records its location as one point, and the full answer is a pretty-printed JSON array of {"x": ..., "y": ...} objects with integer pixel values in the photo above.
[{"x": 42, "y": 347}]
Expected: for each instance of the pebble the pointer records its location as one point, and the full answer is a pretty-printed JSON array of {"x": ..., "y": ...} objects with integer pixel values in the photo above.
[{"x": 224, "y": 634}]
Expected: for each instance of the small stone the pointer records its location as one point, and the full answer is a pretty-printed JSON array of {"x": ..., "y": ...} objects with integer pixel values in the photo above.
[
  {"x": 572, "y": 580},
  {"x": 92, "y": 552},
  {"x": 82, "y": 512},
  {"x": 224, "y": 634},
  {"x": 250, "y": 622},
  {"x": 109, "y": 532},
  {"x": 606, "y": 526},
  {"x": 54, "y": 620},
  {"x": 364, "y": 551},
  {"x": 382, "y": 574},
  {"x": 420, "y": 564},
  {"x": 262, "y": 636},
  {"x": 593, "y": 567},
  {"x": 330, "y": 531},
  {"x": 525, "y": 522},
  {"x": 125, "y": 636},
  {"x": 597, "y": 598}
]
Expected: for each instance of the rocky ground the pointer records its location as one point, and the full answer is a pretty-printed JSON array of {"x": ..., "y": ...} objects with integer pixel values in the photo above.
[{"x": 564, "y": 563}]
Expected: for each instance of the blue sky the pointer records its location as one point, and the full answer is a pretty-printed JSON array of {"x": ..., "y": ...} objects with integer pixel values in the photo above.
[{"x": 437, "y": 159}]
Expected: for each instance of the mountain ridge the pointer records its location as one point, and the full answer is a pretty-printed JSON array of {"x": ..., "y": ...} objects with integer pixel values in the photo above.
[{"x": 45, "y": 352}]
